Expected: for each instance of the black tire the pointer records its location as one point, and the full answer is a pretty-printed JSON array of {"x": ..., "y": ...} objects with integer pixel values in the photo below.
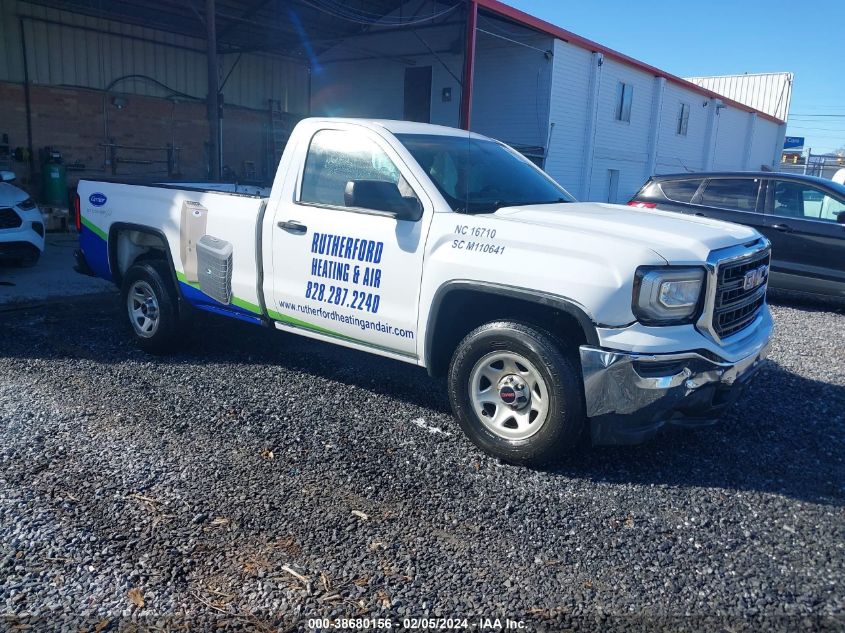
[
  {"x": 561, "y": 432},
  {"x": 154, "y": 277}
]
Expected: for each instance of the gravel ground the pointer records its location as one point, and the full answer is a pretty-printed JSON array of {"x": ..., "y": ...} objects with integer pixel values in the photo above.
[
  {"x": 52, "y": 277},
  {"x": 258, "y": 479}
]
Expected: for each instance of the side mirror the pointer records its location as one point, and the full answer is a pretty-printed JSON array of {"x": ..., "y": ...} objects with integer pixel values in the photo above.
[
  {"x": 840, "y": 217},
  {"x": 7, "y": 176},
  {"x": 384, "y": 196}
]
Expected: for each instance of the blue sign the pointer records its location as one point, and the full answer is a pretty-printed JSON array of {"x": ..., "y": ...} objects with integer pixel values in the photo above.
[
  {"x": 97, "y": 199},
  {"x": 793, "y": 142}
]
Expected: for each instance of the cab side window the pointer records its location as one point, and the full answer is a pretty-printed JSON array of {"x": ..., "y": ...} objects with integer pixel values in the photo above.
[
  {"x": 336, "y": 157},
  {"x": 736, "y": 194},
  {"x": 798, "y": 200}
]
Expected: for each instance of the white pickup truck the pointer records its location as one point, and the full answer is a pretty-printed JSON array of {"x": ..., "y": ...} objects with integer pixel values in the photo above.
[{"x": 554, "y": 320}]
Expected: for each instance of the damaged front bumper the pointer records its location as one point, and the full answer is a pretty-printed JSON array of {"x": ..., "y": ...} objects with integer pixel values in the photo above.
[{"x": 630, "y": 396}]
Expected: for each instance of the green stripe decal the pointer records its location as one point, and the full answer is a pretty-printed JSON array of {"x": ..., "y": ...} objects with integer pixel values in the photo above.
[
  {"x": 96, "y": 230},
  {"x": 181, "y": 277},
  {"x": 246, "y": 305},
  {"x": 292, "y": 321}
]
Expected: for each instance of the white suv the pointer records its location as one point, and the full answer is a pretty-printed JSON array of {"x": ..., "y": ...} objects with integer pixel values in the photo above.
[{"x": 21, "y": 224}]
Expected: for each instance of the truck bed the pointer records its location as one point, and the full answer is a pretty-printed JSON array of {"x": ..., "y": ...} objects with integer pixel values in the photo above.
[
  {"x": 221, "y": 187},
  {"x": 181, "y": 215}
]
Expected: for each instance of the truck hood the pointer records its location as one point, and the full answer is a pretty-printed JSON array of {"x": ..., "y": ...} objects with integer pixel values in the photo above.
[{"x": 675, "y": 237}]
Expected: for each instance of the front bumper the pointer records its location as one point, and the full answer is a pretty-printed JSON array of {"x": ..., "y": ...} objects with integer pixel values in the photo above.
[
  {"x": 630, "y": 396},
  {"x": 18, "y": 250},
  {"x": 24, "y": 240}
]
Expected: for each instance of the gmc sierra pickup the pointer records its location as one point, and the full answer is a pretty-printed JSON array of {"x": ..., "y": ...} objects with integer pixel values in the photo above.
[{"x": 551, "y": 318}]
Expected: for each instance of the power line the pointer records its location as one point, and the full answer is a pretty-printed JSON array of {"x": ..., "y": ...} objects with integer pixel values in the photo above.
[{"x": 817, "y": 129}]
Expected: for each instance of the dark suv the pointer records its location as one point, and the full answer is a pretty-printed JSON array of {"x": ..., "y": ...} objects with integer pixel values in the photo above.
[{"x": 802, "y": 216}]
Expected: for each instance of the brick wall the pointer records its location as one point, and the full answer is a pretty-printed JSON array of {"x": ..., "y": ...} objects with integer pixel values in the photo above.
[
  {"x": 13, "y": 122},
  {"x": 71, "y": 120},
  {"x": 244, "y": 140}
]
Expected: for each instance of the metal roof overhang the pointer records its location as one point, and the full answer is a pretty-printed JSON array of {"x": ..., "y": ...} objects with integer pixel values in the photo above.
[
  {"x": 299, "y": 29},
  {"x": 296, "y": 29}
]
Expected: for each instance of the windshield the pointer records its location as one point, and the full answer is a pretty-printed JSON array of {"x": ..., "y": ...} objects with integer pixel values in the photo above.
[{"x": 480, "y": 175}]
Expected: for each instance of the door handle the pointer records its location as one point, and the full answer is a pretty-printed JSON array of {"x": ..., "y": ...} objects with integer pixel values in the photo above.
[
  {"x": 784, "y": 228},
  {"x": 700, "y": 215},
  {"x": 293, "y": 226}
]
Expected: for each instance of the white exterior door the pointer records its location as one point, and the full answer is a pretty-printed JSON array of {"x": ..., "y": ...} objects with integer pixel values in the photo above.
[{"x": 351, "y": 273}]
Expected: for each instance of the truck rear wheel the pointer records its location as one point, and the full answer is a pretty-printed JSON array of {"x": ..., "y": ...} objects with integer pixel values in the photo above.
[
  {"x": 151, "y": 306},
  {"x": 516, "y": 394}
]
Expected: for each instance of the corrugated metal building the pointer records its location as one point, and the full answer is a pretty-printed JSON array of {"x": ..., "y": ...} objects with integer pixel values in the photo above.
[
  {"x": 767, "y": 92},
  {"x": 114, "y": 96},
  {"x": 69, "y": 49},
  {"x": 122, "y": 89}
]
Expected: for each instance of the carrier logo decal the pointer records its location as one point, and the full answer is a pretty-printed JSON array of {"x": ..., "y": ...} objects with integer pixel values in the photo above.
[{"x": 97, "y": 199}]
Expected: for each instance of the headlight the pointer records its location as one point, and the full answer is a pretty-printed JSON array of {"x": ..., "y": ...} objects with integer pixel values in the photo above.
[
  {"x": 664, "y": 296},
  {"x": 26, "y": 205}
]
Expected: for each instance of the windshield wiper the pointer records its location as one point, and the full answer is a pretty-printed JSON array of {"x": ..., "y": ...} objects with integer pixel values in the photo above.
[
  {"x": 500, "y": 204},
  {"x": 491, "y": 207}
]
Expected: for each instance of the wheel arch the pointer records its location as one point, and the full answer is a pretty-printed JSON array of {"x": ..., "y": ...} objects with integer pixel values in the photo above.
[
  {"x": 142, "y": 251},
  {"x": 448, "y": 321}
]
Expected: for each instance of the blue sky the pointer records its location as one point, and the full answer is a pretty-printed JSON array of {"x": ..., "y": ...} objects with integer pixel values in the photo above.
[{"x": 723, "y": 38}]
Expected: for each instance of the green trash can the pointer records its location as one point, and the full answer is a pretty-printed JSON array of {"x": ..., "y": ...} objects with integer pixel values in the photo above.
[{"x": 54, "y": 184}]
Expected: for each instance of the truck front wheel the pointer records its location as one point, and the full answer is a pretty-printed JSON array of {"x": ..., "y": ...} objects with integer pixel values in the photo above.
[
  {"x": 516, "y": 394},
  {"x": 151, "y": 307}
]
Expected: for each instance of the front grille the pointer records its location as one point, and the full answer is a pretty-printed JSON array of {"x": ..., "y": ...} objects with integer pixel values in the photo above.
[
  {"x": 736, "y": 307},
  {"x": 9, "y": 219}
]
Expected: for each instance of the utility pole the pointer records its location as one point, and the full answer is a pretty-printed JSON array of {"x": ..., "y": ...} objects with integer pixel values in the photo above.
[
  {"x": 469, "y": 64},
  {"x": 213, "y": 98}
]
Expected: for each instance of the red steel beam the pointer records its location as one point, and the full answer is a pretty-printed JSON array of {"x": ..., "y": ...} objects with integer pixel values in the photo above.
[{"x": 469, "y": 64}]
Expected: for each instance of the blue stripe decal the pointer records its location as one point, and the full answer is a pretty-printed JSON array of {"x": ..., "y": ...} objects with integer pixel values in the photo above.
[
  {"x": 200, "y": 300},
  {"x": 96, "y": 252}
]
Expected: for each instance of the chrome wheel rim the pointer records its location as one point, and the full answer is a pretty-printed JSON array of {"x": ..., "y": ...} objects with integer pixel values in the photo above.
[
  {"x": 143, "y": 309},
  {"x": 509, "y": 395}
]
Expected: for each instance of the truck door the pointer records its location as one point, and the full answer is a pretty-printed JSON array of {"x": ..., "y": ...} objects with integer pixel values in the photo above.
[{"x": 348, "y": 243}]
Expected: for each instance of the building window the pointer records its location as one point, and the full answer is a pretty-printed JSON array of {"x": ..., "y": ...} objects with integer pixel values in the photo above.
[
  {"x": 624, "y": 96},
  {"x": 612, "y": 185},
  {"x": 683, "y": 119}
]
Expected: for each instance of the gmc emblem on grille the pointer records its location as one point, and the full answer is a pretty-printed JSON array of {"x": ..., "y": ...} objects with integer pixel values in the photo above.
[{"x": 754, "y": 278}]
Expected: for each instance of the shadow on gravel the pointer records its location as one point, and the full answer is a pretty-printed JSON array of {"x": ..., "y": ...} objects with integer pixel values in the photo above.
[
  {"x": 95, "y": 329},
  {"x": 785, "y": 436},
  {"x": 808, "y": 302}
]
